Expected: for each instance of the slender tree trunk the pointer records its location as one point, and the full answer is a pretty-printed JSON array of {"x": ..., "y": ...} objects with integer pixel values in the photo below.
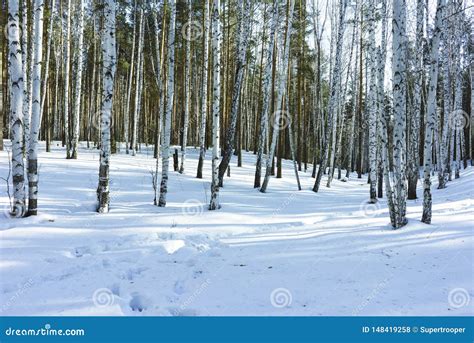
[
  {"x": 169, "y": 107},
  {"x": 263, "y": 129},
  {"x": 16, "y": 85},
  {"x": 431, "y": 114},
  {"x": 77, "y": 96},
  {"x": 216, "y": 94},
  {"x": 205, "y": 61},
  {"x": 108, "y": 70}
]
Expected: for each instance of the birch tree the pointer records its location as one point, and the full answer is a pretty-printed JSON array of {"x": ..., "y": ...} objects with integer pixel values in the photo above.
[
  {"x": 67, "y": 57},
  {"x": 414, "y": 141},
  {"x": 205, "y": 63},
  {"x": 109, "y": 57},
  {"x": 16, "y": 85},
  {"x": 139, "y": 77},
  {"x": 266, "y": 92},
  {"x": 278, "y": 114},
  {"x": 169, "y": 107},
  {"x": 243, "y": 33},
  {"x": 216, "y": 94},
  {"x": 36, "y": 109},
  {"x": 431, "y": 113},
  {"x": 77, "y": 98},
  {"x": 372, "y": 108},
  {"x": 334, "y": 93},
  {"x": 187, "y": 89}
]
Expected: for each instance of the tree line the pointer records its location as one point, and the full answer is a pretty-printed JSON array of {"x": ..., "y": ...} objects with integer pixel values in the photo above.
[{"x": 379, "y": 87}]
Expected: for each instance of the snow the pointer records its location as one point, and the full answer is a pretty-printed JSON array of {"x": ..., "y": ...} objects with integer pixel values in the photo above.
[{"x": 285, "y": 252}]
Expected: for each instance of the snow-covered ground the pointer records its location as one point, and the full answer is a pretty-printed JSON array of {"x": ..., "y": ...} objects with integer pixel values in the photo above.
[{"x": 286, "y": 252}]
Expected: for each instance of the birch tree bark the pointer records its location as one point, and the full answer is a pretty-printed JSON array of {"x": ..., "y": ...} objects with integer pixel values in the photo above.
[
  {"x": 36, "y": 109},
  {"x": 399, "y": 111},
  {"x": 266, "y": 96},
  {"x": 67, "y": 58},
  {"x": 109, "y": 57},
  {"x": 372, "y": 100},
  {"x": 126, "y": 123},
  {"x": 414, "y": 139},
  {"x": 431, "y": 113},
  {"x": 216, "y": 94},
  {"x": 139, "y": 77},
  {"x": 334, "y": 94},
  {"x": 205, "y": 61},
  {"x": 279, "y": 115},
  {"x": 77, "y": 98},
  {"x": 169, "y": 107},
  {"x": 26, "y": 73},
  {"x": 245, "y": 18},
  {"x": 16, "y": 85},
  {"x": 187, "y": 94}
]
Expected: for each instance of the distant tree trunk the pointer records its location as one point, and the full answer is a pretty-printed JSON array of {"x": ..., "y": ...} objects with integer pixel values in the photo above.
[
  {"x": 267, "y": 76},
  {"x": 431, "y": 113},
  {"x": 334, "y": 94},
  {"x": 16, "y": 86},
  {"x": 278, "y": 114},
  {"x": 108, "y": 70},
  {"x": 216, "y": 94},
  {"x": 67, "y": 58},
  {"x": 130, "y": 85},
  {"x": 24, "y": 35},
  {"x": 187, "y": 95},
  {"x": 414, "y": 139},
  {"x": 169, "y": 107},
  {"x": 77, "y": 97},
  {"x": 205, "y": 62},
  {"x": 138, "y": 82},
  {"x": 243, "y": 35}
]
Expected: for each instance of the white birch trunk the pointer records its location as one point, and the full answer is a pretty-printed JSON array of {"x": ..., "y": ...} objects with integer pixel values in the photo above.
[
  {"x": 187, "y": 94},
  {"x": 136, "y": 110},
  {"x": 399, "y": 85},
  {"x": 109, "y": 56},
  {"x": 36, "y": 109},
  {"x": 67, "y": 57},
  {"x": 216, "y": 95},
  {"x": 169, "y": 107},
  {"x": 77, "y": 97},
  {"x": 16, "y": 85},
  {"x": 430, "y": 127},
  {"x": 205, "y": 61},
  {"x": 277, "y": 115},
  {"x": 266, "y": 92}
]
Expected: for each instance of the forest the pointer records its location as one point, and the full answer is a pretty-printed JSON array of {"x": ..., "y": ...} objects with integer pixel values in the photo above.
[{"x": 241, "y": 121}]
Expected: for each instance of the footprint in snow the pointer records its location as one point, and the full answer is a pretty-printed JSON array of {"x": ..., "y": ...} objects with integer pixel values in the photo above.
[{"x": 140, "y": 302}]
